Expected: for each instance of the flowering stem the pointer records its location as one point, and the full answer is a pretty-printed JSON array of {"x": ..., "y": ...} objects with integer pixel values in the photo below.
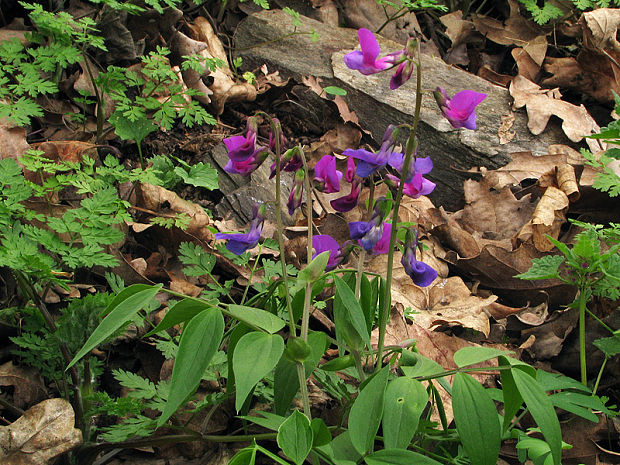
[
  {"x": 384, "y": 311},
  {"x": 582, "y": 336},
  {"x": 305, "y": 319},
  {"x": 275, "y": 127}
]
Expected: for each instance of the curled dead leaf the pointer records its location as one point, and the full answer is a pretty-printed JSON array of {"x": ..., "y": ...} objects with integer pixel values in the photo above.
[
  {"x": 224, "y": 87},
  {"x": 27, "y": 384},
  {"x": 38, "y": 437},
  {"x": 548, "y": 217},
  {"x": 541, "y": 104},
  {"x": 158, "y": 199}
]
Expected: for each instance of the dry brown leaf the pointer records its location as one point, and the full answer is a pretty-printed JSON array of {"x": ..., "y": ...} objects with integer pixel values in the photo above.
[
  {"x": 158, "y": 199},
  {"x": 485, "y": 72},
  {"x": 515, "y": 31},
  {"x": 567, "y": 181},
  {"x": 495, "y": 268},
  {"x": 527, "y": 66},
  {"x": 336, "y": 140},
  {"x": 8, "y": 34},
  {"x": 548, "y": 217},
  {"x": 181, "y": 45},
  {"x": 26, "y": 382},
  {"x": 12, "y": 140},
  {"x": 343, "y": 109},
  {"x": 602, "y": 25},
  {"x": 541, "y": 104},
  {"x": 224, "y": 86},
  {"x": 39, "y": 436},
  {"x": 458, "y": 29},
  {"x": 491, "y": 211}
]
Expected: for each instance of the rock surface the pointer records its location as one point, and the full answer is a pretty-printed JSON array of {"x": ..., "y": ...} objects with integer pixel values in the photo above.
[{"x": 265, "y": 38}]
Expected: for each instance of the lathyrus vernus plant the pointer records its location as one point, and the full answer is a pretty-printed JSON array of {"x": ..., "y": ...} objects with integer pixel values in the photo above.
[{"x": 389, "y": 420}]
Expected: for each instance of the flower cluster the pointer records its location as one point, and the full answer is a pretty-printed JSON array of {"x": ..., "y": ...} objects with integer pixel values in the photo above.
[{"x": 245, "y": 155}]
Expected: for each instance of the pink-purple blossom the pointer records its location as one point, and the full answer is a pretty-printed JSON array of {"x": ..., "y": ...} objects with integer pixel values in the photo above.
[
  {"x": 402, "y": 74},
  {"x": 369, "y": 233},
  {"x": 322, "y": 243},
  {"x": 238, "y": 243},
  {"x": 327, "y": 175},
  {"x": 459, "y": 110},
  {"x": 296, "y": 196},
  {"x": 246, "y": 167},
  {"x": 348, "y": 202},
  {"x": 416, "y": 185},
  {"x": 366, "y": 61}
]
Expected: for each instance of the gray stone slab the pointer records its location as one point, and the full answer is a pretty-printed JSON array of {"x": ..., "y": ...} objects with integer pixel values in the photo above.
[{"x": 265, "y": 38}]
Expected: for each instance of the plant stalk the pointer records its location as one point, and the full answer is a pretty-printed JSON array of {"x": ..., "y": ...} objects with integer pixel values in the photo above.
[
  {"x": 582, "y": 336},
  {"x": 384, "y": 311}
]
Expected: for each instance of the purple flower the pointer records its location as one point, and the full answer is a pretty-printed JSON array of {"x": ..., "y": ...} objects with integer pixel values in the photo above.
[
  {"x": 421, "y": 273},
  {"x": 366, "y": 61},
  {"x": 369, "y": 162},
  {"x": 402, "y": 74},
  {"x": 348, "y": 202},
  {"x": 382, "y": 246},
  {"x": 290, "y": 161},
  {"x": 369, "y": 233},
  {"x": 240, "y": 242},
  {"x": 272, "y": 139},
  {"x": 246, "y": 167},
  {"x": 460, "y": 109},
  {"x": 416, "y": 185},
  {"x": 297, "y": 192},
  {"x": 326, "y": 173},
  {"x": 324, "y": 242},
  {"x": 350, "y": 173}
]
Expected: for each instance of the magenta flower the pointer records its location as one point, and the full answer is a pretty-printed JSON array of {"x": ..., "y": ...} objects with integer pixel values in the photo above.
[
  {"x": 240, "y": 242},
  {"x": 366, "y": 61},
  {"x": 324, "y": 242},
  {"x": 244, "y": 168},
  {"x": 350, "y": 173},
  {"x": 417, "y": 185},
  {"x": 421, "y": 273},
  {"x": 369, "y": 162},
  {"x": 460, "y": 109},
  {"x": 402, "y": 74},
  {"x": 290, "y": 161},
  {"x": 327, "y": 175},
  {"x": 415, "y": 188},
  {"x": 348, "y": 202}
]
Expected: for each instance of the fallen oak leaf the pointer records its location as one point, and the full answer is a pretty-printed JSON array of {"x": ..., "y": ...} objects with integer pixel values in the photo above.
[{"x": 541, "y": 104}]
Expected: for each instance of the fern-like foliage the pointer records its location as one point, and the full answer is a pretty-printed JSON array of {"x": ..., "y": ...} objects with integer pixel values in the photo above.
[{"x": 548, "y": 11}]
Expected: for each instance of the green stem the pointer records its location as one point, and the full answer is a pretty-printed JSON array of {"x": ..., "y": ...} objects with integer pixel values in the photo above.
[
  {"x": 305, "y": 319},
  {"x": 384, "y": 311},
  {"x": 142, "y": 165},
  {"x": 598, "y": 378},
  {"x": 245, "y": 291},
  {"x": 358, "y": 364},
  {"x": 582, "y": 335},
  {"x": 280, "y": 227}
]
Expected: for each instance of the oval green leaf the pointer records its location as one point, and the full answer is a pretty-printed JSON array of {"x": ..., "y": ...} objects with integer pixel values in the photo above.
[
  {"x": 119, "y": 312},
  {"x": 476, "y": 419},
  {"x": 471, "y": 355},
  {"x": 333, "y": 90},
  {"x": 295, "y": 437},
  {"x": 256, "y": 354},
  {"x": 257, "y": 317},
  {"x": 200, "y": 340},
  {"x": 405, "y": 399},
  {"x": 366, "y": 412}
]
